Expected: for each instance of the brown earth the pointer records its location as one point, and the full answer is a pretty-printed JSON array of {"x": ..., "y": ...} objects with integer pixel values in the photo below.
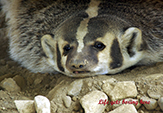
[{"x": 33, "y": 84}]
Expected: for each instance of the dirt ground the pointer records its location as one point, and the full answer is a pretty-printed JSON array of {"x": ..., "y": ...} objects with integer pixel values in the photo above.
[{"x": 33, "y": 84}]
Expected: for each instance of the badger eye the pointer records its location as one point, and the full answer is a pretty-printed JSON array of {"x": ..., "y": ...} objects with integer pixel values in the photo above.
[
  {"x": 99, "y": 45},
  {"x": 67, "y": 47}
]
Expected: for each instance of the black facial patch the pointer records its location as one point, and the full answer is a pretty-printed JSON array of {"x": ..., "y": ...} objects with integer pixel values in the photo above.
[
  {"x": 97, "y": 27},
  {"x": 116, "y": 55},
  {"x": 92, "y": 55},
  {"x": 59, "y": 59},
  {"x": 69, "y": 28}
]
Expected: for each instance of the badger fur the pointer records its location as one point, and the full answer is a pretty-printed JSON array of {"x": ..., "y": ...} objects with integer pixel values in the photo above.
[{"x": 84, "y": 37}]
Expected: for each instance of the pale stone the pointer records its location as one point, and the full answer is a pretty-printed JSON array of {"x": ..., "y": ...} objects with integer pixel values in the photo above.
[
  {"x": 121, "y": 90},
  {"x": 25, "y": 106},
  {"x": 54, "y": 107},
  {"x": 108, "y": 85},
  {"x": 10, "y": 85},
  {"x": 42, "y": 104},
  {"x": 149, "y": 103},
  {"x": 38, "y": 80},
  {"x": 111, "y": 81},
  {"x": 67, "y": 101},
  {"x": 90, "y": 102},
  {"x": 107, "y": 88},
  {"x": 125, "y": 108},
  {"x": 160, "y": 103},
  {"x": 20, "y": 81},
  {"x": 75, "y": 87},
  {"x": 155, "y": 92}
]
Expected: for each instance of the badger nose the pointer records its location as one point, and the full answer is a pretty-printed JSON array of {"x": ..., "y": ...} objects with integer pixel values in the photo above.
[{"x": 78, "y": 64}]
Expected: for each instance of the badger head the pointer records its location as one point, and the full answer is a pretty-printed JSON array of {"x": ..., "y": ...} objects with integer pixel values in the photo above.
[{"x": 92, "y": 46}]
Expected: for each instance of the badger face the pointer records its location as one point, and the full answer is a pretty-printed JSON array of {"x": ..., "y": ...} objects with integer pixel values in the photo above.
[
  {"x": 89, "y": 44},
  {"x": 88, "y": 47}
]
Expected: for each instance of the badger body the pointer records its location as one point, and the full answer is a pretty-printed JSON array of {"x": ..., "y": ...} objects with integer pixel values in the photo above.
[{"x": 84, "y": 38}]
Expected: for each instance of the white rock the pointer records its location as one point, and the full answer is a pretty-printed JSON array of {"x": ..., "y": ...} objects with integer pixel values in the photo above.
[
  {"x": 90, "y": 102},
  {"x": 155, "y": 94},
  {"x": 108, "y": 85},
  {"x": 54, "y": 107},
  {"x": 25, "y": 106},
  {"x": 121, "y": 90},
  {"x": 42, "y": 104},
  {"x": 75, "y": 87},
  {"x": 10, "y": 85},
  {"x": 149, "y": 103},
  {"x": 125, "y": 108},
  {"x": 160, "y": 103},
  {"x": 111, "y": 81},
  {"x": 67, "y": 101}
]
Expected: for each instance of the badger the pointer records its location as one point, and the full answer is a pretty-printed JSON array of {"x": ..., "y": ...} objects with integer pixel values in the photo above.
[{"x": 82, "y": 38}]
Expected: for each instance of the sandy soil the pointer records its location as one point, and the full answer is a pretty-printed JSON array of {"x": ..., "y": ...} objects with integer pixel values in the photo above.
[{"x": 33, "y": 84}]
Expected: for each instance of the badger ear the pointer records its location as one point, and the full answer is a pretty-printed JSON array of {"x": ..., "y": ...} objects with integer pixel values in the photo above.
[
  {"x": 48, "y": 45},
  {"x": 131, "y": 41}
]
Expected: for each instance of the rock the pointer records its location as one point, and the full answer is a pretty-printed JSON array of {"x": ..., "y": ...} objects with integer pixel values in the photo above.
[
  {"x": 153, "y": 94},
  {"x": 10, "y": 85},
  {"x": 20, "y": 81},
  {"x": 125, "y": 108},
  {"x": 160, "y": 103},
  {"x": 53, "y": 107},
  {"x": 121, "y": 90},
  {"x": 38, "y": 80},
  {"x": 149, "y": 103},
  {"x": 25, "y": 106},
  {"x": 107, "y": 88},
  {"x": 58, "y": 91},
  {"x": 42, "y": 104},
  {"x": 90, "y": 102},
  {"x": 8, "y": 75},
  {"x": 108, "y": 85},
  {"x": 67, "y": 101},
  {"x": 75, "y": 87},
  {"x": 111, "y": 81},
  {"x": 3, "y": 95}
]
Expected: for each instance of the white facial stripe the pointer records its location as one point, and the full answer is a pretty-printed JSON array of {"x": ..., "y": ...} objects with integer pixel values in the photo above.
[
  {"x": 64, "y": 59},
  {"x": 92, "y": 10},
  {"x": 62, "y": 43},
  {"x": 82, "y": 30}
]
